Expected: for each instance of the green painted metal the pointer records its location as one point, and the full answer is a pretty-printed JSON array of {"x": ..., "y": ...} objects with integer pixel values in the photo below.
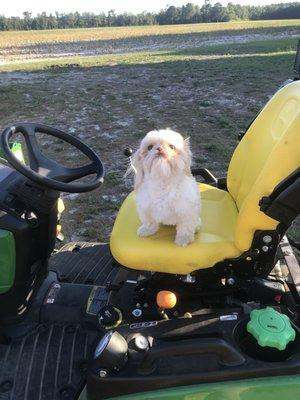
[
  {"x": 274, "y": 388},
  {"x": 7, "y": 241},
  {"x": 7, "y": 260},
  {"x": 17, "y": 150},
  {"x": 83, "y": 395}
]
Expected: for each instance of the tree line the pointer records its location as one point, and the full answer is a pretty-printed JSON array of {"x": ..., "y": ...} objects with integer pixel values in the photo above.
[{"x": 187, "y": 14}]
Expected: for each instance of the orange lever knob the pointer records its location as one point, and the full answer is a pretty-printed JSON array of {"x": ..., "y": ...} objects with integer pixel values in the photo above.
[{"x": 166, "y": 299}]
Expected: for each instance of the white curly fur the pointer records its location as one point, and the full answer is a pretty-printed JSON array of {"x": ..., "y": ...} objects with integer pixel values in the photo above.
[{"x": 166, "y": 191}]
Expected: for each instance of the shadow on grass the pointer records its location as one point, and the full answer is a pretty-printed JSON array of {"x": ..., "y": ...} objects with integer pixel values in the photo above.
[
  {"x": 264, "y": 47},
  {"x": 265, "y": 64}
]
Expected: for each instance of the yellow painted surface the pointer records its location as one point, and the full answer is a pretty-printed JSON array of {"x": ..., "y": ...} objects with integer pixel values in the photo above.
[{"x": 268, "y": 153}]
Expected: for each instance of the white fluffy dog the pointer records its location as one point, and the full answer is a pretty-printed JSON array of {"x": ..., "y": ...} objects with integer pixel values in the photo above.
[{"x": 166, "y": 191}]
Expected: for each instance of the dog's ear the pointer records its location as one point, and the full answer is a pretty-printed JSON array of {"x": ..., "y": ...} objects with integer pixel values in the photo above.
[
  {"x": 138, "y": 167},
  {"x": 187, "y": 154}
]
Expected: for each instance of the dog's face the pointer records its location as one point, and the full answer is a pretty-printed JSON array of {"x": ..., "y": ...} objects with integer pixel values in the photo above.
[{"x": 162, "y": 153}]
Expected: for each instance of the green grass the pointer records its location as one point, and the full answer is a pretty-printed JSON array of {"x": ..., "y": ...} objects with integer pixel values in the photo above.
[
  {"x": 21, "y": 38},
  {"x": 215, "y": 52}
]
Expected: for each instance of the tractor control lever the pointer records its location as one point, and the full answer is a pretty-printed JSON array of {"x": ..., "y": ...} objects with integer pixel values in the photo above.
[{"x": 128, "y": 151}]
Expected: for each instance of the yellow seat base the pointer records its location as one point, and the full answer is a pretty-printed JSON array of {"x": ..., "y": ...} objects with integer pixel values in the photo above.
[{"x": 213, "y": 243}]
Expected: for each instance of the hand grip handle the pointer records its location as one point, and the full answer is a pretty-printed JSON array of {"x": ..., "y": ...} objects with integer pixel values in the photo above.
[{"x": 228, "y": 355}]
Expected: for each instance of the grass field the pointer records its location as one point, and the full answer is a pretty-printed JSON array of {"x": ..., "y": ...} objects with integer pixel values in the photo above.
[
  {"x": 220, "y": 52},
  {"x": 20, "y": 38},
  {"x": 23, "y": 47},
  {"x": 207, "y": 81}
]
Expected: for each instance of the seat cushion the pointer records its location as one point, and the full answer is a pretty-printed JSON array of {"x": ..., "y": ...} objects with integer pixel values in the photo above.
[{"x": 158, "y": 253}]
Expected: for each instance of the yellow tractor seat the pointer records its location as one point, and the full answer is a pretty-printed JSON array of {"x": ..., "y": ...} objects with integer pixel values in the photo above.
[
  {"x": 266, "y": 156},
  {"x": 158, "y": 253}
]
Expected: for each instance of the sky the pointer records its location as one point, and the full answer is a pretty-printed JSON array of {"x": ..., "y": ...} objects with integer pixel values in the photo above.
[{"x": 16, "y": 7}]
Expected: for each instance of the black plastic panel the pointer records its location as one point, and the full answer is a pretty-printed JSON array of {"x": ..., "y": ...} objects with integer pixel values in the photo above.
[{"x": 220, "y": 335}]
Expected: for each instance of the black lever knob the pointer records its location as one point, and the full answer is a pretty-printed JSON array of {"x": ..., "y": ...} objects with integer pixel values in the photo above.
[
  {"x": 109, "y": 317},
  {"x": 128, "y": 151}
]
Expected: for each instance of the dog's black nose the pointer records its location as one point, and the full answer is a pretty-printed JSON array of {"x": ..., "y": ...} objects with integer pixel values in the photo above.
[{"x": 159, "y": 149}]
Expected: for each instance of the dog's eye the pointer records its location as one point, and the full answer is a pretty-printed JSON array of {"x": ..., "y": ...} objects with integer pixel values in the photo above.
[
  {"x": 150, "y": 147},
  {"x": 172, "y": 146}
]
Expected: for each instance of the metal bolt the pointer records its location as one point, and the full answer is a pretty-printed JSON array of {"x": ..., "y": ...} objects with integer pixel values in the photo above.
[
  {"x": 137, "y": 312},
  {"x": 249, "y": 258},
  {"x": 141, "y": 343},
  {"x": 70, "y": 329},
  {"x": 6, "y": 386},
  {"x": 277, "y": 270},
  {"x": 188, "y": 278},
  {"x": 66, "y": 392},
  {"x": 287, "y": 252},
  {"x": 267, "y": 239},
  {"x": 231, "y": 281},
  {"x": 103, "y": 373},
  {"x": 265, "y": 249}
]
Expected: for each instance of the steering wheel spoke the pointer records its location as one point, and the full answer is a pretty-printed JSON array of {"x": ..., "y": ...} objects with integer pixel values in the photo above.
[
  {"x": 34, "y": 152},
  {"x": 72, "y": 174},
  {"x": 38, "y": 162}
]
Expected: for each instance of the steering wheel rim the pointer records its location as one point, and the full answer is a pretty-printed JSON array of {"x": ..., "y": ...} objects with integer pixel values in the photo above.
[{"x": 47, "y": 172}]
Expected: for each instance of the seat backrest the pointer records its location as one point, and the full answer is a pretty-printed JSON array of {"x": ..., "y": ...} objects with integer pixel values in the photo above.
[{"x": 268, "y": 153}]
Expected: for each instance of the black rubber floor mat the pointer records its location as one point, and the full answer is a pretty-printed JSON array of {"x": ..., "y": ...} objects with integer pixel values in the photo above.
[
  {"x": 46, "y": 364},
  {"x": 84, "y": 263}
]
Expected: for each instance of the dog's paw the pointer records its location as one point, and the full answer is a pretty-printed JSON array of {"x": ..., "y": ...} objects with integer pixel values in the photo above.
[
  {"x": 144, "y": 230},
  {"x": 184, "y": 240}
]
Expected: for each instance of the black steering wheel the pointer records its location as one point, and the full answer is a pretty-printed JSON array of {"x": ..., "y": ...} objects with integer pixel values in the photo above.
[{"x": 47, "y": 172}]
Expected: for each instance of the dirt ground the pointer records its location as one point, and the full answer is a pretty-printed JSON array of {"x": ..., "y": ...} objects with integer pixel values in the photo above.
[{"x": 211, "y": 101}]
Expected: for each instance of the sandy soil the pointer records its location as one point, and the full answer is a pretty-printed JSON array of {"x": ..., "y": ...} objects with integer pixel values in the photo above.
[{"x": 141, "y": 44}]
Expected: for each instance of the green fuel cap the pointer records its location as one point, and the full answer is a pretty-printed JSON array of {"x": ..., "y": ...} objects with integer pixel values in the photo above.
[{"x": 271, "y": 328}]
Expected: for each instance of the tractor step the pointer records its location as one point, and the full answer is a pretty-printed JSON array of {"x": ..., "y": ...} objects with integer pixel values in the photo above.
[
  {"x": 48, "y": 363},
  {"x": 83, "y": 263}
]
